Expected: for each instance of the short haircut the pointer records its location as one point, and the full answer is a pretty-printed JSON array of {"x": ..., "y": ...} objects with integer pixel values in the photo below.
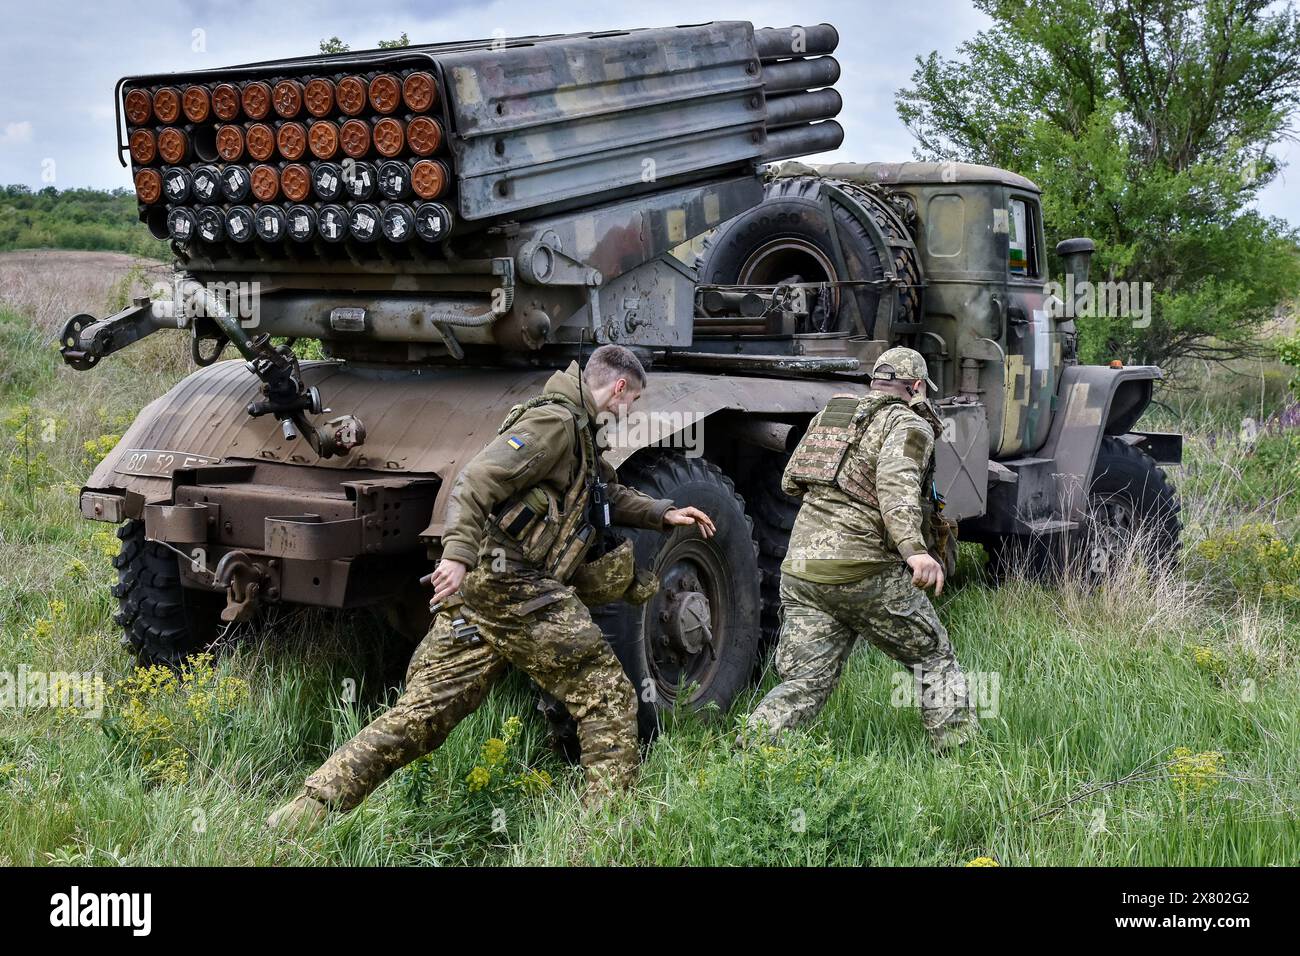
[{"x": 610, "y": 362}]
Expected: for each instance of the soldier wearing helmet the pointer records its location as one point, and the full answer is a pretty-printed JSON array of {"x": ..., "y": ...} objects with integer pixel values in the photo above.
[{"x": 861, "y": 556}]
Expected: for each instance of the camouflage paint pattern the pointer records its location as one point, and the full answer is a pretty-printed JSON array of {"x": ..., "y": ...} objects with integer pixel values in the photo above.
[
  {"x": 892, "y": 458},
  {"x": 525, "y": 620},
  {"x": 822, "y": 622},
  {"x": 539, "y": 449}
]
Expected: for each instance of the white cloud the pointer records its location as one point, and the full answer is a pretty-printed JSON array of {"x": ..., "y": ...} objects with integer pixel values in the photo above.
[{"x": 16, "y": 133}]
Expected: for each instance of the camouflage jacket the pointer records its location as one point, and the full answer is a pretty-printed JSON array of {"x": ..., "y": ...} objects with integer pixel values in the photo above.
[
  {"x": 537, "y": 450},
  {"x": 893, "y": 456}
]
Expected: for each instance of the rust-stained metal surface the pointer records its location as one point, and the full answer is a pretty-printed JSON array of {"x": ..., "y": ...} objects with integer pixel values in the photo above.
[
  {"x": 426, "y": 423},
  {"x": 429, "y": 424}
]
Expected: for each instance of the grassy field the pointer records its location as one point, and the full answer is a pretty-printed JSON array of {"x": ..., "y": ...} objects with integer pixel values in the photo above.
[{"x": 1152, "y": 722}]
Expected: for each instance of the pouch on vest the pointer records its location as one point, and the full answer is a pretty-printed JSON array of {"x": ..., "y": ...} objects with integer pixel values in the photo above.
[
  {"x": 614, "y": 577},
  {"x": 569, "y": 553},
  {"x": 532, "y": 519},
  {"x": 822, "y": 458},
  {"x": 817, "y": 459}
]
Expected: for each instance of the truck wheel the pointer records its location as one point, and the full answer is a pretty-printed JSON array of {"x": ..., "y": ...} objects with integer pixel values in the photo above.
[
  {"x": 785, "y": 236},
  {"x": 707, "y": 589},
  {"x": 164, "y": 622},
  {"x": 1131, "y": 505},
  {"x": 773, "y": 512}
]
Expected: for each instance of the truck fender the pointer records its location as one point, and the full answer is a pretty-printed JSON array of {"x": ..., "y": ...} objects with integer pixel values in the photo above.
[{"x": 1092, "y": 401}]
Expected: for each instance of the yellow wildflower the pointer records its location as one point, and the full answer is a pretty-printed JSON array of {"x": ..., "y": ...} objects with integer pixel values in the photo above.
[
  {"x": 533, "y": 781},
  {"x": 494, "y": 751},
  {"x": 1195, "y": 772},
  {"x": 510, "y": 730}
]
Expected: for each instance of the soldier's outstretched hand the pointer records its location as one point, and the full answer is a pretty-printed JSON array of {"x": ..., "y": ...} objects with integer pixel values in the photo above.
[
  {"x": 926, "y": 572},
  {"x": 445, "y": 580},
  {"x": 689, "y": 515}
]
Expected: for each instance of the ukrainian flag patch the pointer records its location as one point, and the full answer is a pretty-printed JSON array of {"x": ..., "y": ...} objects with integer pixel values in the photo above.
[{"x": 515, "y": 442}]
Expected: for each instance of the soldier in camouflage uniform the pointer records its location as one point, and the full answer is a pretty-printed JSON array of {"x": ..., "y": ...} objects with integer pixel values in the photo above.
[
  {"x": 519, "y": 524},
  {"x": 859, "y": 554}
]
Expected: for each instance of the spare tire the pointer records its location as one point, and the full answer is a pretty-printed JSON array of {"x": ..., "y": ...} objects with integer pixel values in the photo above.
[{"x": 785, "y": 238}]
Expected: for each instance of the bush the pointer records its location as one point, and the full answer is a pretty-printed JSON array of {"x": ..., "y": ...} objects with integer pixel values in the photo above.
[{"x": 1252, "y": 561}]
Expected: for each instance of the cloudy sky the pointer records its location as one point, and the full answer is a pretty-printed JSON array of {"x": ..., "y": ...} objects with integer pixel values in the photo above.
[{"x": 59, "y": 60}]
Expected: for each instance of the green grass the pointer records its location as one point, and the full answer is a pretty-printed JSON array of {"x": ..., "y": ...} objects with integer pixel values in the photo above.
[{"x": 1074, "y": 768}]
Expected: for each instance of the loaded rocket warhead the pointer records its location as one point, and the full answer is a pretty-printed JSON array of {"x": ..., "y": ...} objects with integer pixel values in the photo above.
[
  {"x": 394, "y": 180},
  {"x": 265, "y": 183},
  {"x": 256, "y": 100},
  {"x": 286, "y": 97},
  {"x": 429, "y": 178},
  {"x": 291, "y": 140},
  {"x": 423, "y": 135},
  {"x": 398, "y": 222},
  {"x": 173, "y": 145},
  {"x": 385, "y": 93},
  {"x": 354, "y": 138},
  {"x": 350, "y": 95},
  {"x": 235, "y": 183},
  {"x": 359, "y": 180},
  {"x": 363, "y": 222},
  {"x": 239, "y": 223},
  {"x": 332, "y": 223},
  {"x": 270, "y": 223},
  {"x": 196, "y": 103},
  {"x": 144, "y": 146},
  {"x": 259, "y": 140},
  {"x": 230, "y": 142},
  {"x": 419, "y": 92},
  {"x": 139, "y": 107},
  {"x": 389, "y": 137},
  {"x": 433, "y": 221},
  {"x": 205, "y": 184},
  {"x": 318, "y": 97},
  {"x": 148, "y": 186},
  {"x": 323, "y": 139},
  {"x": 302, "y": 223},
  {"x": 176, "y": 184},
  {"x": 167, "y": 104},
  {"x": 327, "y": 181},
  {"x": 225, "y": 101},
  {"x": 295, "y": 180},
  {"x": 181, "y": 223},
  {"x": 212, "y": 224}
]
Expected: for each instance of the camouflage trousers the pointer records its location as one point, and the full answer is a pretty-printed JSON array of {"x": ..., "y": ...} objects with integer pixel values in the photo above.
[
  {"x": 524, "y": 619},
  {"x": 821, "y": 624}
]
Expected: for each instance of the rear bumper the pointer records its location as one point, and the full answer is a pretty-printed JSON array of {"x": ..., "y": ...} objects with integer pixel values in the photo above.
[{"x": 310, "y": 537}]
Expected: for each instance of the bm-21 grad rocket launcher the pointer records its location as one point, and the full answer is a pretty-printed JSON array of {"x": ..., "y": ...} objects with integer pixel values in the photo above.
[{"x": 454, "y": 221}]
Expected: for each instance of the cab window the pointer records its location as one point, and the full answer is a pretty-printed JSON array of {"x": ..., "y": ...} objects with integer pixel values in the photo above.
[{"x": 1022, "y": 229}]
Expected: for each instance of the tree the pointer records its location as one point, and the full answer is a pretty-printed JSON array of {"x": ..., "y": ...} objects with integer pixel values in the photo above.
[
  {"x": 335, "y": 45},
  {"x": 1150, "y": 126}
]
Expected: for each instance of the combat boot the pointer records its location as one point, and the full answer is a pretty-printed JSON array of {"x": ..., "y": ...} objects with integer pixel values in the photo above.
[
  {"x": 302, "y": 813},
  {"x": 952, "y": 737}
]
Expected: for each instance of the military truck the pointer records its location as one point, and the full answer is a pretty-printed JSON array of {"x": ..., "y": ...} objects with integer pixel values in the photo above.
[{"x": 452, "y": 222}]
